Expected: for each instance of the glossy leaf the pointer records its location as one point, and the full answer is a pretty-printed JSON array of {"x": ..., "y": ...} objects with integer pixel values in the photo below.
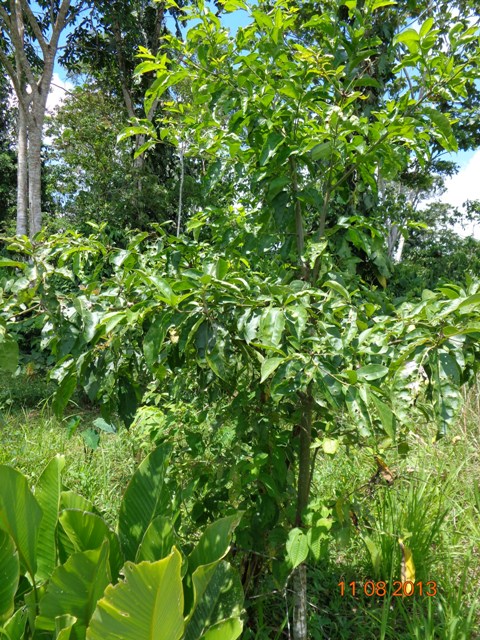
[
  {"x": 147, "y": 604},
  {"x": 20, "y": 516},
  {"x": 47, "y": 493},
  {"x": 9, "y": 574},
  {"x": 74, "y": 589},
  {"x": 145, "y": 498}
]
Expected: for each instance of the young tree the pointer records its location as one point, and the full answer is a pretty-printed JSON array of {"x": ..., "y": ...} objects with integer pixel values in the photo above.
[{"x": 23, "y": 31}]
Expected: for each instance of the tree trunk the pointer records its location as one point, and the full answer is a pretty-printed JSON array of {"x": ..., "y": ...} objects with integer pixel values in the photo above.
[
  {"x": 300, "y": 629},
  {"x": 35, "y": 178},
  {"x": 22, "y": 175}
]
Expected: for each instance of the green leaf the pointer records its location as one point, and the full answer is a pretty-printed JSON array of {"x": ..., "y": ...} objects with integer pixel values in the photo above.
[
  {"x": 372, "y": 372},
  {"x": 144, "y": 499},
  {"x": 269, "y": 366},
  {"x": 336, "y": 286},
  {"x": 47, "y": 493},
  {"x": 330, "y": 446},
  {"x": 8, "y": 353},
  {"x": 442, "y": 124},
  {"x": 321, "y": 151},
  {"x": 147, "y": 604},
  {"x": 64, "y": 625},
  {"x": 74, "y": 589},
  {"x": 375, "y": 554},
  {"x": 426, "y": 27},
  {"x": 224, "y": 630},
  {"x": 20, "y": 516},
  {"x": 317, "y": 538},
  {"x": 87, "y": 531},
  {"x": 9, "y": 574},
  {"x": 386, "y": 416},
  {"x": 210, "y": 549},
  {"x": 91, "y": 438},
  {"x": 15, "y": 627},
  {"x": 218, "y": 596},
  {"x": 158, "y": 540},
  {"x": 271, "y": 327},
  {"x": 5, "y": 262},
  {"x": 153, "y": 340},
  {"x": 214, "y": 542},
  {"x": 297, "y": 547},
  {"x": 64, "y": 393},
  {"x": 102, "y": 425},
  {"x": 446, "y": 390},
  {"x": 272, "y": 143}
]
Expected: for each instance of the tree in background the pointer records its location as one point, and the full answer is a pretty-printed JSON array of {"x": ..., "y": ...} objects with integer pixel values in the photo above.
[
  {"x": 24, "y": 31},
  {"x": 7, "y": 156}
]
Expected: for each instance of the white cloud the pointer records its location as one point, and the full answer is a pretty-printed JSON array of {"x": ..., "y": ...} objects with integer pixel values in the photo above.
[
  {"x": 465, "y": 185},
  {"x": 58, "y": 91}
]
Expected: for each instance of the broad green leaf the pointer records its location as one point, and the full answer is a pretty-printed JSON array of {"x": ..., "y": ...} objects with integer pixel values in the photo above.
[
  {"x": 144, "y": 499},
  {"x": 269, "y": 366},
  {"x": 273, "y": 141},
  {"x": 372, "y": 372},
  {"x": 158, "y": 540},
  {"x": 373, "y": 5},
  {"x": 321, "y": 151},
  {"x": 224, "y": 630},
  {"x": 20, "y": 516},
  {"x": 9, "y": 574},
  {"x": 442, "y": 124},
  {"x": 64, "y": 625},
  {"x": 317, "y": 538},
  {"x": 330, "y": 446},
  {"x": 214, "y": 542},
  {"x": 446, "y": 390},
  {"x": 375, "y": 554},
  {"x": 218, "y": 597},
  {"x": 72, "y": 500},
  {"x": 271, "y": 327},
  {"x": 153, "y": 340},
  {"x": 386, "y": 416},
  {"x": 469, "y": 304},
  {"x": 64, "y": 393},
  {"x": 147, "y": 605},
  {"x": 8, "y": 354},
  {"x": 5, "y": 262},
  {"x": 336, "y": 286},
  {"x": 210, "y": 549},
  {"x": 297, "y": 547},
  {"x": 102, "y": 425},
  {"x": 15, "y": 626},
  {"x": 87, "y": 531},
  {"x": 91, "y": 437},
  {"x": 47, "y": 493},
  {"x": 358, "y": 410},
  {"x": 75, "y": 588},
  {"x": 426, "y": 27}
]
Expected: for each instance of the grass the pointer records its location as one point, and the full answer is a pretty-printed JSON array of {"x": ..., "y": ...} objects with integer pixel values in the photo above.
[{"x": 433, "y": 502}]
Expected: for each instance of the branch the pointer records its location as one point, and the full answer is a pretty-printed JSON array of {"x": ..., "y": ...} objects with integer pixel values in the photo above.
[
  {"x": 57, "y": 28},
  {"x": 18, "y": 46},
  {"x": 35, "y": 27},
  {"x": 15, "y": 81}
]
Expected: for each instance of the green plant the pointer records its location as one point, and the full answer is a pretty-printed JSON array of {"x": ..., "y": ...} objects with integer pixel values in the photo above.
[{"x": 61, "y": 565}]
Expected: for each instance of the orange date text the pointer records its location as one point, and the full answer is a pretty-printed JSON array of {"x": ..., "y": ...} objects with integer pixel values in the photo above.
[{"x": 381, "y": 589}]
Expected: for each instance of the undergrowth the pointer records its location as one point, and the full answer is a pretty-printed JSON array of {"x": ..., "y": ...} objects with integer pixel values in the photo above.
[{"x": 432, "y": 501}]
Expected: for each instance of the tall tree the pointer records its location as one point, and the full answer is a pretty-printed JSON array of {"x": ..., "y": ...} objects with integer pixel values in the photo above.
[
  {"x": 7, "y": 154},
  {"x": 23, "y": 29}
]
